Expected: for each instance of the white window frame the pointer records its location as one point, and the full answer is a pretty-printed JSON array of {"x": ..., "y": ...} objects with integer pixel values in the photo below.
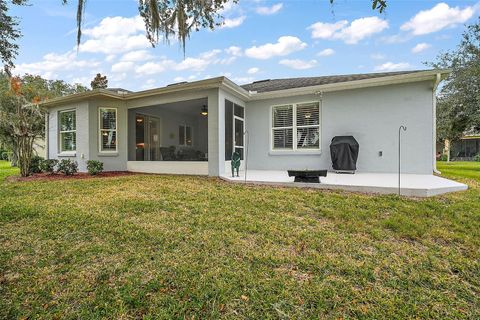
[
  {"x": 60, "y": 142},
  {"x": 294, "y": 128},
  {"x": 233, "y": 129},
  {"x": 100, "y": 130},
  {"x": 184, "y": 144}
]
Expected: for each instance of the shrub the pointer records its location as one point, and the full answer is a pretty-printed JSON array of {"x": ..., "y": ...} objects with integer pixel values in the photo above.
[
  {"x": 94, "y": 167},
  {"x": 443, "y": 157},
  {"x": 48, "y": 165},
  {"x": 477, "y": 157},
  {"x": 35, "y": 165},
  {"x": 3, "y": 154},
  {"x": 67, "y": 167}
]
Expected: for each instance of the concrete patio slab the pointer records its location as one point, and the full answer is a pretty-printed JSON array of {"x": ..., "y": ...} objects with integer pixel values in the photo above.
[{"x": 413, "y": 185}]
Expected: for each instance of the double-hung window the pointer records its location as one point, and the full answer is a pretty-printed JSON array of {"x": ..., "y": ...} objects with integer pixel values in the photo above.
[
  {"x": 67, "y": 131},
  {"x": 296, "y": 127},
  {"x": 108, "y": 129}
]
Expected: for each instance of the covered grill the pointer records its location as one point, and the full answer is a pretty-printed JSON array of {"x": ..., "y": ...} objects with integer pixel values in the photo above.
[{"x": 344, "y": 153}]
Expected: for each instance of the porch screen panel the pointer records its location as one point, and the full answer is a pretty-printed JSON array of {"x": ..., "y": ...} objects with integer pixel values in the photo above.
[
  {"x": 228, "y": 130},
  {"x": 188, "y": 136},
  {"x": 308, "y": 126},
  {"x": 139, "y": 138},
  {"x": 238, "y": 133},
  {"x": 282, "y": 127},
  {"x": 108, "y": 129},
  {"x": 181, "y": 135}
]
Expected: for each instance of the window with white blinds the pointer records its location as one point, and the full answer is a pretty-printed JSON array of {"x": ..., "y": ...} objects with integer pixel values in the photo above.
[
  {"x": 108, "y": 129},
  {"x": 282, "y": 127},
  {"x": 296, "y": 126},
  {"x": 67, "y": 130},
  {"x": 308, "y": 126}
]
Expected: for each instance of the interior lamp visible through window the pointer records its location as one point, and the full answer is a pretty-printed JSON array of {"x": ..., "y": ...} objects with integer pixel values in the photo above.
[{"x": 204, "y": 111}]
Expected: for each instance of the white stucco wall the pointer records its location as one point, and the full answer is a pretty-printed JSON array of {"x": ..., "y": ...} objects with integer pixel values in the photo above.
[
  {"x": 112, "y": 161},
  {"x": 82, "y": 153},
  {"x": 371, "y": 115}
]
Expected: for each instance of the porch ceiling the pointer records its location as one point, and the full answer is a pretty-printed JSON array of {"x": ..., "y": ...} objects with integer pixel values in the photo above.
[{"x": 185, "y": 107}]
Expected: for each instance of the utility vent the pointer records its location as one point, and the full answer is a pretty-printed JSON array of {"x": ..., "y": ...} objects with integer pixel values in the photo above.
[
  {"x": 119, "y": 90},
  {"x": 260, "y": 81},
  {"x": 176, "y": 84}
]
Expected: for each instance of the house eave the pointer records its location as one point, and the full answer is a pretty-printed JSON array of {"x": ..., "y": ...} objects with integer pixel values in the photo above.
[
  {"x": 357, "y": 84},
  {"x": 81, "y": 96},
  {"x": 196, "y": 85},
  {"x": 233, "y": 88}
]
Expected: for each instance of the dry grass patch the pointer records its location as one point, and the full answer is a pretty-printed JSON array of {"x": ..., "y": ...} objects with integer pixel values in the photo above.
[{"x": 146, "y": 246}]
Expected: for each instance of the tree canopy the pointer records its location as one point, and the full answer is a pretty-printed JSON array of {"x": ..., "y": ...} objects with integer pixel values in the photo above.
[
  {"x": 9, "y": 34},
  {"x": 163, "y": 19},
  {"x": 458, "y": 106},
  {"x": 99, "y": 82},
  {"x": 21, "y": 120}
]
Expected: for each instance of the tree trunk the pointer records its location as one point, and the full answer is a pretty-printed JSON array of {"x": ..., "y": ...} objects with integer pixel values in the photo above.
[
  {"x": 14, "y": 159},
  {"x": 25, "y": 147},
  {"x": 447, "y": 149}
]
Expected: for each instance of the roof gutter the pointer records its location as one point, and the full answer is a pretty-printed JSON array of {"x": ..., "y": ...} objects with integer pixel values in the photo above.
[
  {"x": 438, "y": 79},
  {"x": 81, "y": 96},
  {"x": 348, "y": 85},
  {"x": 235, "y": 89},
  {"x": 197, "y": 85}
]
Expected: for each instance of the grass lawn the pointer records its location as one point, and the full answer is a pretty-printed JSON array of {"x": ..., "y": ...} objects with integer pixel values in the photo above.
[{"x": 152, "y": 246}]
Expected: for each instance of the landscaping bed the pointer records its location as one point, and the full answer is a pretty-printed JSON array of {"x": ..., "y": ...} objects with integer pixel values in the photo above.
[{"x": 56, "y": 176}]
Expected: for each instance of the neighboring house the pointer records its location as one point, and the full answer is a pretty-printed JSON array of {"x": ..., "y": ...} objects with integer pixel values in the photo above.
[
  {"x": 467, "y": 147},
  {"x": 193, "y": 128}
]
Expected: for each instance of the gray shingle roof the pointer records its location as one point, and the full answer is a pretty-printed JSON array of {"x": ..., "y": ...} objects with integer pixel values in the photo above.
[{"x": 282, "y": 84}]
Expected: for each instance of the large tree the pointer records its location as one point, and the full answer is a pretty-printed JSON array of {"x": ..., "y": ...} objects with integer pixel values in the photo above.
[
  {"x": 99, "y": 82},
  {"x": 21, "y": 120},
  {"x": 167, "y": 18},
  {"x": 458, "y": 107},
  {"x": 9, "y": 34}
]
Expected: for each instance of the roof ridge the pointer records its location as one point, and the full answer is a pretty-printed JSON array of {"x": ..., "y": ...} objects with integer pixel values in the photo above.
[{"x": 340, "y": 75}]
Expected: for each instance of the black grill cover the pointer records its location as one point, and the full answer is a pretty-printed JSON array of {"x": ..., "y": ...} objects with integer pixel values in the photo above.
[{"x": 344, "y": 153}]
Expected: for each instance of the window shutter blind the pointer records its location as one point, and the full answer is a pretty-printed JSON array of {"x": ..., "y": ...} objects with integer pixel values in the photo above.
[
  {"x": 283, "y": 116},
  {"x": 283, "y": 138},
  {"x": 308, "y": 114},
  {"x": 109, "y": 119},
  {"x": 108, "y": 129},
  {"x": 283, "y": 127},
  {"x": 308, "y": 126}
]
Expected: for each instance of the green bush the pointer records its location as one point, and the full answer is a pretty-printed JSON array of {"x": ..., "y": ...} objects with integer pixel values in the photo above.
[
  {"x": 35, "y": 164},
  {"x": 94, "y": 167},
  {"x": 443, "y": 157},
  {"x": 67, "y": 167},
  {"x": 48, "y": 165},
  {"x": 477, "y": 157},
  {"x": 3, "y": 154}
]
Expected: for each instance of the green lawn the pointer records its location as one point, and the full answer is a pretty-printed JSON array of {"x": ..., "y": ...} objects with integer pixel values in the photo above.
[{"x": 152, "y": 246}]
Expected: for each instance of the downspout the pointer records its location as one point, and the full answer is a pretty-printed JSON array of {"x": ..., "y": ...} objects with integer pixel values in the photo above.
[
  {"x": 46, "y": 135},
  {"x": 438, "y": 78}
]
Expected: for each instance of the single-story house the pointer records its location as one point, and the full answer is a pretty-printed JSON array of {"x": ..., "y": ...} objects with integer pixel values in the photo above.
[
  {"x": 467, "y": 148},
  {"x": 278, "y": 124}
]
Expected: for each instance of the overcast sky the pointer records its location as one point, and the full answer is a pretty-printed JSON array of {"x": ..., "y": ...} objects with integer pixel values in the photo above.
[{"x": 261, "y": 39}]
